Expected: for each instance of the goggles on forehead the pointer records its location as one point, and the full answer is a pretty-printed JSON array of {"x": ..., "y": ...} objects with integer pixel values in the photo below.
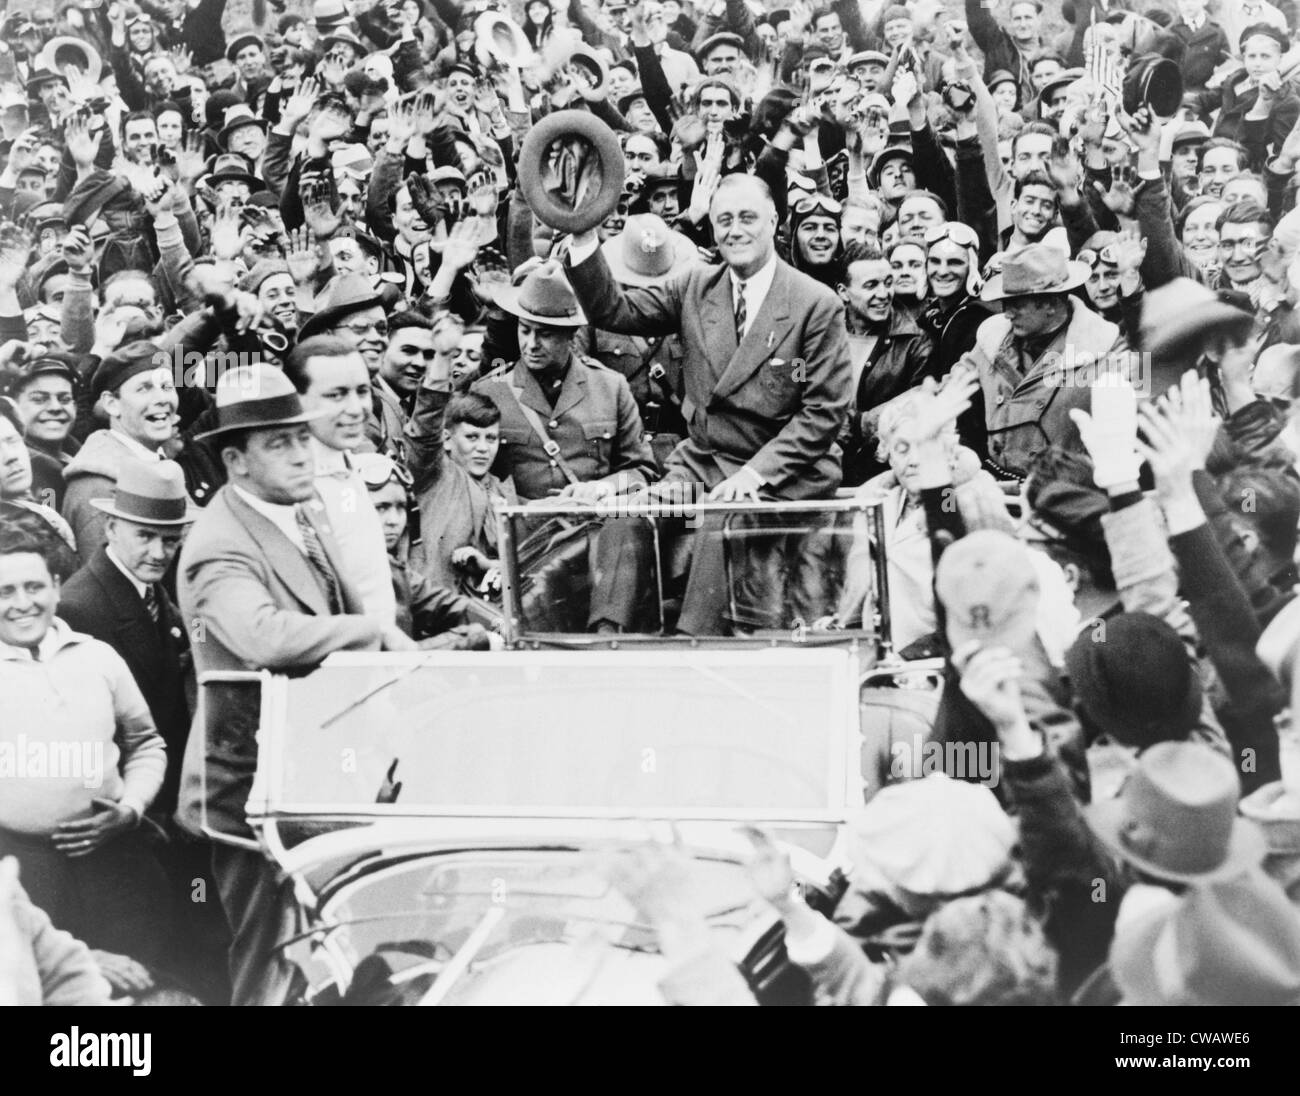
[
  {"x": 1108, "y": 255},
  {"x": 378, "y": 470},
  {"x": 960, "y": 234},
  {"x": 816, "y": 202}
]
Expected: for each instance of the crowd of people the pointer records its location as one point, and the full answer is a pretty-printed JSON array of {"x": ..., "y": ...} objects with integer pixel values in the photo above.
[{"x": 288, "y": 308}]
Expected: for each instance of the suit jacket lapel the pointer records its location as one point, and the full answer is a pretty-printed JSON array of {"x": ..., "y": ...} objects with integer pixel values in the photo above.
[
  {"x": 765, "y": 333},
  {"x": 283, "y": 556},
  {"x": 132, "y": 625},
  {"x": 718, "y": 315}
]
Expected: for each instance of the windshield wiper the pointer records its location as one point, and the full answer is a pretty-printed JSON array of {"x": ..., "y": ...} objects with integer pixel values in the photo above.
[{"x": 366, "y": 697}]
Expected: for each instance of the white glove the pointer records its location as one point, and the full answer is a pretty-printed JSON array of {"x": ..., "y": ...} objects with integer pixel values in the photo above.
[{"x": 1109, "y": 433}]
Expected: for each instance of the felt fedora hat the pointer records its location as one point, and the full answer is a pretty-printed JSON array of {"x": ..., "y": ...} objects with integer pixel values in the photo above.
[
  {"x": 232, "y": 167},
  {"x": 543, "y": 179},
  {"x": 346, "y": 294},
  {"x": 150, "y": 493},
  {"x": 502, "y": 39},
  {"x": 75, "y": 52},
  {"x": 647, "y": 251},
  {"x": 1032, "y": 270},
  {"x": 1155, "y": 82},
  {"x": 1176, "y": 818},
  {"x": 543, "y": 297},
  {"x": 256, "y": 397},
  {"x": 1180, "y": 314},
  {"x": 237, "y": 117}
]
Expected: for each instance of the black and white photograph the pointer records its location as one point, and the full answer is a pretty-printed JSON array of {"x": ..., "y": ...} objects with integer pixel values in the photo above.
[{"x": 650, "y": 502}]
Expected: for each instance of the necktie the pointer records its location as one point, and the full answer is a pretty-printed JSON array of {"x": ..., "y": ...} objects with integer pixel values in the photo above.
[
  {"x": 151, "y": 603},
  {"x": 319, "y": 561},
  {"x": 740, "y": 311}
]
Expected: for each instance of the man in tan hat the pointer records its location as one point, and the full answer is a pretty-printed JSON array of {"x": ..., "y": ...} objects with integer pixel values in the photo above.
[
  {"x": 1039, "y": 358},
  {"x": 261, "y": 580},
  {"x": 569, "y": 426}
]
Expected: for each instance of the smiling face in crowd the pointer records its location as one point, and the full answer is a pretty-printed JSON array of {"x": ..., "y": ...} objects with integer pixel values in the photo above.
[
  {"x": 144, "y": 407},
  {"x": 947, "y": 266},
  {"x": 743, "y": 216},
  {"x": 869, "y": 290},
  {"x": 818, "y": 236},
  {"x": 47, "y": 407},
  {"x": 29, "y": 596}
]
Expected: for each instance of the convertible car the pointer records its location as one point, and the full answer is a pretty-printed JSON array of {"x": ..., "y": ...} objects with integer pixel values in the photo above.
[{"x": 448, "y": 820}]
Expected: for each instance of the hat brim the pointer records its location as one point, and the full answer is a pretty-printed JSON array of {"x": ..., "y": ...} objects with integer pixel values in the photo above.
[
  {"x": 1192, "y": 325},
  {"x": 269, "y": 424},
  {"x": 1246, "y": 846},
  {"x": 507, "y": 299},
  {"x": 105, "y": 506},
  {"x": 1077, "y": 275},
  {"x": 596, "y": 207},
  {"x": 327, "y": 317},
  {"x": 684, "y": 256},
  {"x": 224, "y": 136}
]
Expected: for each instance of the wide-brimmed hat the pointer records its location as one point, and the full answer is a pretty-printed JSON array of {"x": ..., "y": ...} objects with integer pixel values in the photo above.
[
  {"x": 1065, "y": 76},
  {"x": 647, "y": 251},
  {"x": 1177, "y": 317},
  {"x": 232, "y": 50},
  {"x": 343, "y": 34},
  {"x": 66, "y": 50},
  {"x": 541, "y": 185},
  {"x": 1192, "y": 133},
  {"x": 231, "y": 167},
  {"x": 257, "y": 397},
  {"x": 1176, "y": 817},
  {"x": 503, "y": 39},
  {"x": 544, "y": 297},
  {"x": 346, "y": 294},
  {"x": 39, "y": 74},
  {"x": 237, "y": 117},
  {"x": 1032, "y": 270},
  {"x": 1232, "y": 942},
  {"x": 1154, "y": 82},
  {"x": 151, "y": 493}
]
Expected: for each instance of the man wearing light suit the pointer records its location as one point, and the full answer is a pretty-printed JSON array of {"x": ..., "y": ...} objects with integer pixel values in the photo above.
[
  {"x": 765, "y": 366},
  {"x": 261, "y": 587}
]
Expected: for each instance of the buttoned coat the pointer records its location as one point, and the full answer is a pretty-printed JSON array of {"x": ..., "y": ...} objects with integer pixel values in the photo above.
[
  {"x": 595, "y": 423},
  {"x": 775, "y": 402},
  {"x": 252, "y": 601},
  {"x": 101, "y": 601}
]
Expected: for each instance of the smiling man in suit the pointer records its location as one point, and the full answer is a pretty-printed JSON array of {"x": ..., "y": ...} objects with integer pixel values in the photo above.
[
  {"x": 262, "y": 587},
  {"x": 765, "y": 367}
]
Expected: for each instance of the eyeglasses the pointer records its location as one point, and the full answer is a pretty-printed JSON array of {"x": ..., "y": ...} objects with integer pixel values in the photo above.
[
  {"x": 378, "y": 471},
  {"x": 816, "y": 202},
  {"x": 1108, "y": 254},
  {"x": 379, "y": 327},
  {"x": 960, "y": 234}
]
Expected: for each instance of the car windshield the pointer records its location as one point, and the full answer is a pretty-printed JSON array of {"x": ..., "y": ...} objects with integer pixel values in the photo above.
[
  {"x": 789, "y": 571},
  {"x": 645, "y": 733}
]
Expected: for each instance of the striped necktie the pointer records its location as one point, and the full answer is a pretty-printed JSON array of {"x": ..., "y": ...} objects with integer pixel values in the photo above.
[
  {"x": 319, "y": 560},
  {"x": 151, "y": 603},
  {"x": 740, "y": 310}
]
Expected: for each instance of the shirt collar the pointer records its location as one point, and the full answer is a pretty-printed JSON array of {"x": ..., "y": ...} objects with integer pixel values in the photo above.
[
  {"x": 58, "y": 637},
  {"x": 136, "y": 447},
  {"x": 277, "y": 512},
  {"x": 140, "y": 587},
  {"x": 760, "y": 279},
  {"x": 329, "y": 461}
]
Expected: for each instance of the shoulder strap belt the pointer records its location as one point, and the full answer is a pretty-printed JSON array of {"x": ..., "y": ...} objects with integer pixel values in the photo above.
[{"x": 549, "y": 444}]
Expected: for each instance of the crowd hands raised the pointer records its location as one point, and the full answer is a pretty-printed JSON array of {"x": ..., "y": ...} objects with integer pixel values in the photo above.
[{"x": 285, "y": 313}]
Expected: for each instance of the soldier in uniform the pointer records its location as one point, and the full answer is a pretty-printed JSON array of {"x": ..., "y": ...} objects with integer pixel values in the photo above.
[
  {"x": 1037, "y": 360},
  {"x": 570, "y": 429}
]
